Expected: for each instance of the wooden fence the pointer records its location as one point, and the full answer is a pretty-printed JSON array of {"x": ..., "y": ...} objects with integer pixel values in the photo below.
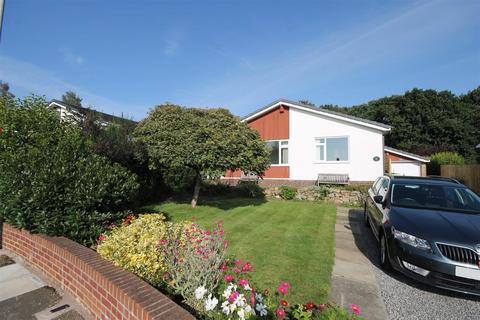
[{"x": 469, "y": 174}]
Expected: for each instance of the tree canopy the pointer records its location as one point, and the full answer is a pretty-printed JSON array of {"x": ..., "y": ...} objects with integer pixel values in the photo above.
[
  {"x": 426, "y": 121},
  {"x": 206, "y": 142},
  {"x": 5, "y": 90},
  {"x": 72, "y": 99}
]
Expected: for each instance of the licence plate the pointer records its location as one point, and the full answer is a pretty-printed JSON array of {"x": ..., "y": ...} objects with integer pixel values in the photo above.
[{"x": 468, "y": 273}]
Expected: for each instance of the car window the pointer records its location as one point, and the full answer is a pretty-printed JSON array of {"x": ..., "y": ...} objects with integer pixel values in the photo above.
[
  {"x": 377, "y": 185},
  {"x": 382, "y": 191},
  {"x": 435, "y": 197}
]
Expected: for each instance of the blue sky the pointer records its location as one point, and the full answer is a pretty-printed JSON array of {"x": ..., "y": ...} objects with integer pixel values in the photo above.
[{"x": 128, "y": 56}]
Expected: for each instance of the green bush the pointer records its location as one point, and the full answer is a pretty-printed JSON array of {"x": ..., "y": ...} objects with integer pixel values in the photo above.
[
  {"x": 51, "y": 181},
  {"x": 288, "y": 193},
  {"x": 440, "y": 158},
  {"x": 321, "y": 191},
  {"x": 250, "y": 189}
]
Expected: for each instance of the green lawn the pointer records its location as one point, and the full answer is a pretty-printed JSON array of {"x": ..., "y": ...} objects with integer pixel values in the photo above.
[{"x": 289, "y": 241}]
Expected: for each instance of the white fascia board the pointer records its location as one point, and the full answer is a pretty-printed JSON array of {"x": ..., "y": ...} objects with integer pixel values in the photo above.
[
  {"x": 387, "y": 149},
  {"x": 328, "y": 115}
]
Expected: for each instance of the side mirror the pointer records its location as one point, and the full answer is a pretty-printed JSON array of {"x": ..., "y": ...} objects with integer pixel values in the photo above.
[{"x": 378, "y": 199}]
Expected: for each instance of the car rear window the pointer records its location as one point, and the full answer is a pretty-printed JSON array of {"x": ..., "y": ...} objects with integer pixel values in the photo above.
[{"x": 435, "y": 197}]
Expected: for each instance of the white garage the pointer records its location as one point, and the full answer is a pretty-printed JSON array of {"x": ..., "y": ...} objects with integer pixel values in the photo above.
[{"x": 404, "y": 163}]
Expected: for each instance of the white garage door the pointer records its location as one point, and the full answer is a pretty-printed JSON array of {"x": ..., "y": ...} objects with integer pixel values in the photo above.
[{"x": 405, "y": 168}]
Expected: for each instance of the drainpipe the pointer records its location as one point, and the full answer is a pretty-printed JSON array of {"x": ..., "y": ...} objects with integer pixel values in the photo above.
[{"x": 2, "y": 7}]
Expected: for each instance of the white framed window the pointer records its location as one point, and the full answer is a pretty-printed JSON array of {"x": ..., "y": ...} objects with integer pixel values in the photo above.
[
  {"x": 331, "y": 149},
  {"x": 279, "y": 151}
]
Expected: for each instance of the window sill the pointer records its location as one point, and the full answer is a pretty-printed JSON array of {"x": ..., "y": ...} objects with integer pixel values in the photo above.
[
  {"x": 331, "y": 162},
  {"x": 279, "y": 165}
]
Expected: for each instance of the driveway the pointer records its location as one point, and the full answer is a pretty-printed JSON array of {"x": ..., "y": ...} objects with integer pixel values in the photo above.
[{"x": 407, "y": 299}]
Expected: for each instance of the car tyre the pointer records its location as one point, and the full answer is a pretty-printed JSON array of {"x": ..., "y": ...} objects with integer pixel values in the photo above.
[{"x": 384, "y": 259}]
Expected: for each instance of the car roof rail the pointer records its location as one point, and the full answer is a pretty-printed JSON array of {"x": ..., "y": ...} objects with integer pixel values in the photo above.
[{"x": 444, "y": 179}]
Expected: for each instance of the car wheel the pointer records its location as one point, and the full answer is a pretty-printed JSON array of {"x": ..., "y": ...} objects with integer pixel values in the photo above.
[
  {"x": 384, "y": 261},
  {"x": 365, "y": 216}
]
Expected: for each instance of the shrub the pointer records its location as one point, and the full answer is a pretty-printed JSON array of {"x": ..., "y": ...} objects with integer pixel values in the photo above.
[
  {"x": 50, "y": 180},
  {"x": 250, "y": 189},
  {"x": 192, "y": 259},
  {"x": 320, "y": 192},
  {"x": 134, "y": 247},
  {"x": 437, "y": 159},
  {"x": 288, "y": 193}
]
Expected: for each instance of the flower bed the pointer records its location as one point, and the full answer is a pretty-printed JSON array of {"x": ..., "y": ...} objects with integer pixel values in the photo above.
[{"x": 194, "y": 266}]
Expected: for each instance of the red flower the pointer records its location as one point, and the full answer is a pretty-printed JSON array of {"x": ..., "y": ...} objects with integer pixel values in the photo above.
[
  {"x": 247, "y": 267},
  {"x": 355, "y": 309},
  {"x": 284, "y": 303},
  {"x": 242, "y": 282},
  {"x": 223, "y": 267},
  {"x": 237, "y": 262},
  {"x": 228, "y": 278},
  {"x": 235, "y": 270},
  {"x": 233, "y": 297},
  {"x": 102, "y": 237},
  {"x": 1, "y": 130},
  {"x": 283, "y": 289},
  {"x": 280, "y": 313},
  {"x": 309, "y": 306}
]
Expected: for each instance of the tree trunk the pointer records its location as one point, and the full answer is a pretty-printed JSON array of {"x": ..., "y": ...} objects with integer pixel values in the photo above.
[{"x": 196, "y": 190}]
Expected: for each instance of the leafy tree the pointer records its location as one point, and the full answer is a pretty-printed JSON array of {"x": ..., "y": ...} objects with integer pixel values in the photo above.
[
  {"x": 50, "y": 180},
  {"x": 5, "y": 90},
  {"x": 72, "y": 99},
  {"x": 307, "y": 102},
  {"x": 205, "y": 141},
  {"x": 437, "y": 159}
]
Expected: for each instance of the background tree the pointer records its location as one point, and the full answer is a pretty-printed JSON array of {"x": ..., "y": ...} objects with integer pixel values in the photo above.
[
  {"x": 426, "y": 121},
  {"x": 307, "y": 102},
  {"x": 206, "y": 142},
  {"x": 72, "y": 99},
  {"x": 5, "y": 90}
]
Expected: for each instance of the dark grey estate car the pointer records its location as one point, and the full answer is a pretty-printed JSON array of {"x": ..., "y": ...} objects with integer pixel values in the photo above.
[{"x": 428, "y": 229}]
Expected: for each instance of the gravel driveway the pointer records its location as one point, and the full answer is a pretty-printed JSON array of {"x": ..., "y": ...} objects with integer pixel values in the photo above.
[{"x": 407, "y": 299}]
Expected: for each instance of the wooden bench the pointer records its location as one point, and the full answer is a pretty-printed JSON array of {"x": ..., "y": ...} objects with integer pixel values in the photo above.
[{"x": 332, "y": 178}]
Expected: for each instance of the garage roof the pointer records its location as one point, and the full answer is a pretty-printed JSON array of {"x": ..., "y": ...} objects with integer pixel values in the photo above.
[{"x": 406, "y": 154}]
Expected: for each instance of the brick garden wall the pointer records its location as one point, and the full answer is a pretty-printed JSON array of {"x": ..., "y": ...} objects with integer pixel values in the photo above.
[{"x": 107, "y": 291}]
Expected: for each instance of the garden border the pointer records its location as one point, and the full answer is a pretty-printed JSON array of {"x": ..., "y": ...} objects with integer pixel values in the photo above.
[{"x": 107, "y": 291}]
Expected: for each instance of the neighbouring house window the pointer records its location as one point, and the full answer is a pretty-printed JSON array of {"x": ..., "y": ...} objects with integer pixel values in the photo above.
[
  {"x": 279, "y": 151},
  {"x": 331, "y": 149}
]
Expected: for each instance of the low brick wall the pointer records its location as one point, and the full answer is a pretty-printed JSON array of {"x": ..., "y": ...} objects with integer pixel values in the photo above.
[{"x": 107, "y": 291}]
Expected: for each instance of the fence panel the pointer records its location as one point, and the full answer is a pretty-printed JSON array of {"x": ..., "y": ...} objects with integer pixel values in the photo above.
[{"x": 469, "y": 174}]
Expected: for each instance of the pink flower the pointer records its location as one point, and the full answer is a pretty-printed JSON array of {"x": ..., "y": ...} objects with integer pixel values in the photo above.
[
  {"x": 247, "y": 267},
  {"x": 207, "y": 233},
  {"x": 322, "y": 306},
  {"x": 286, "y": 284},
  {"x": 252, "y": 299},
  {"x": 223, "y": 267},
  {"x": 237, "y": 262},
  {"x": 235, "y": 270},
  {"x": 242, "y": 282},
  {"x": 102, "y": 237},
  {"x": 355, "y": 309},
  {"x": 280, "y": 313},
  {"x": 163, "y": 241},
  {"x": 283, "y": 289},
  {"x": 110, "y": 226},
  {"x": 225, "y": 244},
  {"x": 233, "y": 296},
  {"x": 228, "y": 278}
]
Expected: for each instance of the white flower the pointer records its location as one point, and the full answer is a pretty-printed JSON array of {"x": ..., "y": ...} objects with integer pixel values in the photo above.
[
  {"x": 226, "y": 308},
  {"x": 241, "y": 314},
  {"x": 247, "y": 287},
  {"x": 262, "y": 309},
  {"x": 248, "y": 308},
  {"x": 210, "y": 303},
  {"x": 200, "y": 292},
  {"x": 259, "y": 297}
]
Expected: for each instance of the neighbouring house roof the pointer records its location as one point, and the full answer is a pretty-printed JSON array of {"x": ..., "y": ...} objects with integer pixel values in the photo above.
[
  {"x": 327, "y": 113},
  {"x": 83, "y": 111},
  {"x": 406, "y": 154}
]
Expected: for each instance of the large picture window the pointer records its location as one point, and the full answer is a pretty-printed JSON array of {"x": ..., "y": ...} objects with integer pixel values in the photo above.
[
  {"x": 279, "y": 151},
  {"x": 331, "y": 149}
]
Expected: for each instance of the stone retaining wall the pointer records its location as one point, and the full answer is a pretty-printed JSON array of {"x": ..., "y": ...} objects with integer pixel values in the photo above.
[
  {"x": 334, "y": 194},
  {"x": 106, "y": 291}
]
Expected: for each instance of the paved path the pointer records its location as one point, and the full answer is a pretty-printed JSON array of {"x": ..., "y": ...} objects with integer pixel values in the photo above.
[
  {"x": 404, "y": 298},
  {"x": 353, "y": 279},
  {"x": 24, "y": 296}
]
